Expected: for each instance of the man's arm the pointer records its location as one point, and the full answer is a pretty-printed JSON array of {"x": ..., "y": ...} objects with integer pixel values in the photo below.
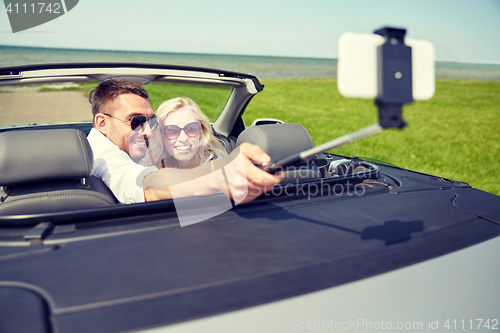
[{"x": 246, "y": 181}]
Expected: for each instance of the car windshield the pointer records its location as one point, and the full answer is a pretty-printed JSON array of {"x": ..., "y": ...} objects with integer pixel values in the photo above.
[{"x": 69, "y": 102}]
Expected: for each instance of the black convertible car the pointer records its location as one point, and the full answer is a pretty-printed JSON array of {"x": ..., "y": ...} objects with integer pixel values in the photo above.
[{"x": 341, "y": 244}]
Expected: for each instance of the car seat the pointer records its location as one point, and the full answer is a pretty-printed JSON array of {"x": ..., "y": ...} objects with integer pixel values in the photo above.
[
  {"x": 48, "y": 170},
  {"x": 280, "y": 141}
]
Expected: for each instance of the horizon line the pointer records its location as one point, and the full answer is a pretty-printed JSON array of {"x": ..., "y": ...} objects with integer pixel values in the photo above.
[
  {"x": 212, "y": 54},
  {"x": 165, "y": 52}
]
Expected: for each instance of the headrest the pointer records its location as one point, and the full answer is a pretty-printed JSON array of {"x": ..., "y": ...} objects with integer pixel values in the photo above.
[
  {"x": 36, "y": 155},
  {"x": 278, "y": 140}
]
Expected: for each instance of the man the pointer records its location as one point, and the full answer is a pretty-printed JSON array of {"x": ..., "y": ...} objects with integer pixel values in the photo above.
[{"x": 124, "y": 120}]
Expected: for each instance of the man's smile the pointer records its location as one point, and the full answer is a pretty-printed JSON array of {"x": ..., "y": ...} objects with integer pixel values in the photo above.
[{"x": 140, "y": 143}]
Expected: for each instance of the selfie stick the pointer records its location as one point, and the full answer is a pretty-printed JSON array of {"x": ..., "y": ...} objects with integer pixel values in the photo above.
[{"x": 394, "y": 89}]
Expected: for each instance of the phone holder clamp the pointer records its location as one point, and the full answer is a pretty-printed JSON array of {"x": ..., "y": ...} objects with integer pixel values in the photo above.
[{"x": 394, "y": 66}]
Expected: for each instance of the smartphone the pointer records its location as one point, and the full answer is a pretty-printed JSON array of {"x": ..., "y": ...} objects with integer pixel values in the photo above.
[{"x": 357, "y": 66}]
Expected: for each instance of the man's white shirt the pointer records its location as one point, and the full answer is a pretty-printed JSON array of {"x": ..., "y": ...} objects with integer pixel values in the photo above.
[{"x": 117, "y": 170}]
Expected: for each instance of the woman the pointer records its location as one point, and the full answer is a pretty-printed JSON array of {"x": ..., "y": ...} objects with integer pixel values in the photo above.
[{"x": 184, "y": 138}]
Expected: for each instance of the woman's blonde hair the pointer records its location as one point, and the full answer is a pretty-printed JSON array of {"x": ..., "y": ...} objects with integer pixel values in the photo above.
[{"x": 156, "y": 151}]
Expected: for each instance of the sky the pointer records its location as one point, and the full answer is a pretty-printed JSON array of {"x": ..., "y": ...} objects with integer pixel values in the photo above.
[{"x": 461, "y": 30}]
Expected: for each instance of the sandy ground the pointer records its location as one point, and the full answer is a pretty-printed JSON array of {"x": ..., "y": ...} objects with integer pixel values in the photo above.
[{"x": 27, "y": 106}]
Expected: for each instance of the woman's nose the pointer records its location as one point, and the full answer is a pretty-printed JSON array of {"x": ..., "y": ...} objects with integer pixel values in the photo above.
[{"x": 183, "y": 136}]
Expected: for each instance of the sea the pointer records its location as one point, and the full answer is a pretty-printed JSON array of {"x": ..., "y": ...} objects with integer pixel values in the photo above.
[{"x": 261, "y": 66}]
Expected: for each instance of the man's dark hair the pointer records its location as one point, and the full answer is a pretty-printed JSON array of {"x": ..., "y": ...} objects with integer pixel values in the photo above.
[{"x": 109, "y": 90}]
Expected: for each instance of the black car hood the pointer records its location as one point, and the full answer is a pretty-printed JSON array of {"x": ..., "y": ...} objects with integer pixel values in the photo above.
[{"x": 153, "y": 272}]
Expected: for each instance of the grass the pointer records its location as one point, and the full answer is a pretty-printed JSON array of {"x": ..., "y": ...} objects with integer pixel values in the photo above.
[
  {"x": 211, "y": 99},
  {"x": 86, "y": 87},
  {"x": 454, "y": 135}
]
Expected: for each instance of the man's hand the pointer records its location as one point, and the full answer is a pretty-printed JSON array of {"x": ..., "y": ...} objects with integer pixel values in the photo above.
[{"x": 250, "y": 182}]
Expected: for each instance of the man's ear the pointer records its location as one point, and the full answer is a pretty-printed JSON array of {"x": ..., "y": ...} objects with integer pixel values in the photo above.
[{"x": 100, "y": 123}]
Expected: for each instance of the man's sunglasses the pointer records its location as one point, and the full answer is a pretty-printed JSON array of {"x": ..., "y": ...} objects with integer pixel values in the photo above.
[
  {"x": 172, "y": 132},
  {"x": 137, "y": 122}
]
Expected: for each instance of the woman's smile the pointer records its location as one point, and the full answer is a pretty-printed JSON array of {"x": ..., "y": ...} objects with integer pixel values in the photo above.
[{"x": 183, "y": 148}]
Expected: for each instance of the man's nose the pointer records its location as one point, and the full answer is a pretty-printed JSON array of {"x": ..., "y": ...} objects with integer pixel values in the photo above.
[{"x": 146, "y": 130}]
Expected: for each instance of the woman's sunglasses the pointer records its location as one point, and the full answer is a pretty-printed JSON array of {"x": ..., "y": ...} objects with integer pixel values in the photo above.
[
  {"x": 172, "y": 132},
  {"x": 137, "y": 122}
]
